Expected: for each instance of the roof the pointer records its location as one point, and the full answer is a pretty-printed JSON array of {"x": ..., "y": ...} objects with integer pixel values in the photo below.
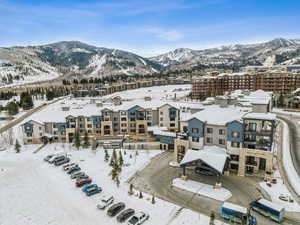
[
  {"x": 260, "y": 116},
  {"x": 235, "y": 207},
  {"x": 213, "y": 156},
  {"x": 217, "y": 115},
  {"x": 164, "y": 133},
  {"x": 270, "y": 204}
]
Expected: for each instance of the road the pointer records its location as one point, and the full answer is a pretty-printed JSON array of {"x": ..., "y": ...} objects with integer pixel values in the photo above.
[
  {"x": 293, "y": 123},
  {"x": 156, "y": 178}
]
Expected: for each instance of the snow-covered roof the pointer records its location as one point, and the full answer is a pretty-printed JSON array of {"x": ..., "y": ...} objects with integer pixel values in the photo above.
[
  {"x": 235, "y": 207},
  {"x": 164, "y": 133},
  {"x": 218, "y": 115},
  {"x": 272, "y": 205},
  {"x": 213, "y": 156},
  {"x": 260, "y": 116},
  {"x": 157, "y": 128}
]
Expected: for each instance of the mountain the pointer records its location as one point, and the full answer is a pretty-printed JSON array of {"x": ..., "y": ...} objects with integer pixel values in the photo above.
[
  {"x": 38, "y": 63},
  {"x": 277, "y": 51},
  {"x": 19, "y": 65}
]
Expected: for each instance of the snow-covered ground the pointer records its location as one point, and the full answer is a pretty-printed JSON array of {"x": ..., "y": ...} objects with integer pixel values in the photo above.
[
  {"x": 37, "y": 193},
  {"x": 280, "y": 189},
  {"x": 198, "y": 188},
  {"x": 286, "y": 112}
]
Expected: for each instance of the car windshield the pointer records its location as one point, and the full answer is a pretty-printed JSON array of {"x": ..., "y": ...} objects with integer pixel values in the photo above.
[{"x": 133, "y": 220}]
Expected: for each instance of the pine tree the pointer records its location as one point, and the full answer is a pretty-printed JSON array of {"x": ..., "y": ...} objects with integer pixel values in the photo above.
[
  {"x": 153, "y": 199},
  {"x": 77, "y": 140},
  {"x": 17, "y": 146},
  {"x": 106, "y": 157},
  {"x": 212, "y": 218},
  {"x": 121, "y": 161},
  {"x": 141, "y": 195},
  {"x": 12, "y": 108},
  {"x": 86, "y": 142},
  {"x": 130, "y": 192},
  {"x": 114, "y": 173}
]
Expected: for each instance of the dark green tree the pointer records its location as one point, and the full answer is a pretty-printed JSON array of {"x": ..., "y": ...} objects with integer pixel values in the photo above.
[
  {"x": 12, "y": 108},
  {"x": 106, "y": 156},
  {"x": 86, "y": 142},
  {"x": 17, "y": 146},
  {"x": 77, "y": 140},
  {"x": 140, "y": 195}
]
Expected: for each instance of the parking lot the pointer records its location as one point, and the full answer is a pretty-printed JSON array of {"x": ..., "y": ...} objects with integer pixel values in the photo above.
[{"x": 33, "y": 192}]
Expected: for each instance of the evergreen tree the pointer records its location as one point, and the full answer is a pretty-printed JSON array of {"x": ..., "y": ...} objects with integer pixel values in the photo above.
[
  {"x": 12, "y": 108},
  {"x": 114, "y": 173},
  {"x": 86, "y": 142},
  {"x": 26, "y": 101},
  {"x": 140, "y": 195},
  {"x": 106, "y": 157},
  {"x": 17, "y": 146},
  {"x": 153, "y": 199},
  {"x": 212, "y": 218},
  {"x": 121, "y": 161},
  {"x": 130, "y": 192},
  {"x": 77, "y": 140}
]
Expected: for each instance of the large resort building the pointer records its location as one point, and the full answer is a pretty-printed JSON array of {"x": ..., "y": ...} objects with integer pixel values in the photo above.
[
  {"x": 277, "y": 82},
  {"x": 240, "y": 125}
]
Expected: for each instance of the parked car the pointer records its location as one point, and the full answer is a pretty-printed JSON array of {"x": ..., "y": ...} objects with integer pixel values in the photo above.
[
  {"x": 205, "y": 170},
  {"x": 93, "y": 190},
  {"x": 73, "y": 170},
  {"x": 105, "y": 201},
  {"x": 115, "y": 209},
  {"x": 55, "y": 158},
  {"x": 82, "y": 176},
  {"x": 123, "y": 216},
  {"x": 77, "y": 174},
  {"x": 67, "y": 166},
  {"x": 87, "y": 186},
  {"x": 48, "y": 157},
  {"x": 80, "y": 183},
  {"x": 61, "y": 161},
  {"x": 138, "y": 218}
]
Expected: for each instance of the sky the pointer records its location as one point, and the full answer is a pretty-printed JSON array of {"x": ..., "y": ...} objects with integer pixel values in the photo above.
[{"x": 148, "y": 27}]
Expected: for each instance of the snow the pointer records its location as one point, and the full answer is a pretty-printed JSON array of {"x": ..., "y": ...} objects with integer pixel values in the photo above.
[
  {"x": 218, "y": 115},
  {"x": 271, "y": 204},
  {"x": 235, "y": 207},
  {"x": 213, "y": 156},
  {"x": 263, "y": 116},
  {"x": 220, "y": 194},
  {"x": 33, "y": 192},
  {"x": 289, "y": 168},
  {"x": 290, "y": 113},
  {"x": 280, "y": 189},
  {"x": 97, "y": 62}
]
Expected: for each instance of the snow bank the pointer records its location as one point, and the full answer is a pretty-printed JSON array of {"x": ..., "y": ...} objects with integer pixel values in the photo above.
[
  {"x": 206, "y": 190},
  {"x": 287, "y": 160}
]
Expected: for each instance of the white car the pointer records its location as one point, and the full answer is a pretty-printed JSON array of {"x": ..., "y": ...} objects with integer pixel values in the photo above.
[
  {"x": 138, "y": 218},
  {"x": 105, "y": 201}
]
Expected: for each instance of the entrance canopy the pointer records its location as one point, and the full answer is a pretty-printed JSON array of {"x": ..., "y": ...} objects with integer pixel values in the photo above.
[{"x": 213, "y": 156}]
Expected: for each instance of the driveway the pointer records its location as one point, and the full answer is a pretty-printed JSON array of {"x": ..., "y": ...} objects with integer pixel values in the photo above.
[{"x": 156, "y": 178}]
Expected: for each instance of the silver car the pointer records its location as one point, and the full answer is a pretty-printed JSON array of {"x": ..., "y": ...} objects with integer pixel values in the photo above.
[{"x": 105, "y": 201}]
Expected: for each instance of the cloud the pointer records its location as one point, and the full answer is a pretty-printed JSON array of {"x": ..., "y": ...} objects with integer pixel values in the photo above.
[{"x": 169, "y": 35}]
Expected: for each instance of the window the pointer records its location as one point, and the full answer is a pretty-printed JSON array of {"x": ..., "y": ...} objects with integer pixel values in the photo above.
[
  {"x": 161, "y": 125},
  {"x": 54, "y": 125},
  {"x": 89, "y": 125},
  {"x": 235, "y": 144},
  {"x": 209, "y": 130},
  {"x": 221, "y": 142},
  {"x": 195, "y": 130},
  {"x": 172, "y": 124},
  {"x": 89, "y": 131},
  {"x": 149, "y": 124},
  {"x": 161, "y": 119},
  {"x": 123, "y": 119},
  {"x": 41, "y": 134},
  {"x": 123, "y": 113},
  {"x": 235, "y": 134},
  {"x": 149, "y": 118},
  {"x": 234, "y": 157},
  {"x": 55, "y": 133},
  {"x": 252, "y": 127},
  {"x": 195, "y": 139},
  {"x": 40, "y": 128},
  {"x": 172, "y": 119},
  {"x": 115, "y": 119},
  {"x": 88, "y": 119},
  {"x": 132, "y": 119},
  {"x": 209, "y": 140},
  {"x": 221, "y": 131},
  {"x": 161, "y": 113}
]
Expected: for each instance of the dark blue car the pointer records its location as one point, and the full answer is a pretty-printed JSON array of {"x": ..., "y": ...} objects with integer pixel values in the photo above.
[{"x": 89, "y": 191}]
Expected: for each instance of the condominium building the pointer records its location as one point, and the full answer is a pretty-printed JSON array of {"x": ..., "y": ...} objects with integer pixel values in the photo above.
[{"x": 277, "y": 82}]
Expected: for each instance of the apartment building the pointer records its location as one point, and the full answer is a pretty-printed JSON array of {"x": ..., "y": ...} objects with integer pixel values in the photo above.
[{"x": 277, "y": 82}]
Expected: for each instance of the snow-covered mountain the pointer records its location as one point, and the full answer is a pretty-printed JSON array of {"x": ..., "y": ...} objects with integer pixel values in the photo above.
[
  {"x": 277, "y": 51},
  {"x": 37, "y": 63},
  {"x": 64, "y": 59}
]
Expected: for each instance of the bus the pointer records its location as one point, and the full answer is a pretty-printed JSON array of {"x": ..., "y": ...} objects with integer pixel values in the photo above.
[
  {"x": 268, "y": 209},
  {"x": 237, "y": 214}
]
